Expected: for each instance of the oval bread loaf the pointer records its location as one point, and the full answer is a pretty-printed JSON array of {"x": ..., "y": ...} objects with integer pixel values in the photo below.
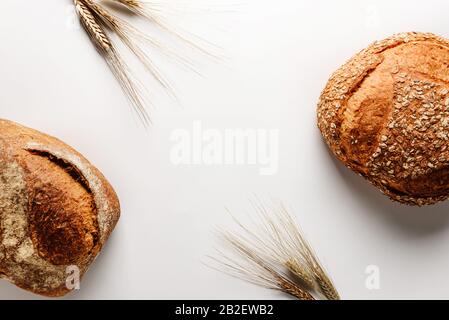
[
  {"x": 56, "y": 210},
  {"x": 385, "y": 115}
]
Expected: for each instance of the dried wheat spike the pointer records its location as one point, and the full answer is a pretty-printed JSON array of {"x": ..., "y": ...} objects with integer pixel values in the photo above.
[
  {"x": 293, "y": 290},
  {"x": 98, "y": 35},
  {"x": 129, "y": 36},
  {"x": 275, "y": 255},
  {"x": 98, "y": 21},
  {"x": 95, "y": 28}
]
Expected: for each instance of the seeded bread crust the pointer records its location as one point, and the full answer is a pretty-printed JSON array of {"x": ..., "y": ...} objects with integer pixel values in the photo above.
[
  {"x": 385, "y": 115},
  {"x": 56, "y": 210}
]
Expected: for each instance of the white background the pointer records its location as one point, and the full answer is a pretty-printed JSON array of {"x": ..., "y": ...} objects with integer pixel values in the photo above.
[{"x": 279, "y": 55}]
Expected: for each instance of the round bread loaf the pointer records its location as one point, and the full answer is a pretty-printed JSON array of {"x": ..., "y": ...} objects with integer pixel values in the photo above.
[
  {"x": 56, "y": 211},
  {"x": 385, "y": 115}
]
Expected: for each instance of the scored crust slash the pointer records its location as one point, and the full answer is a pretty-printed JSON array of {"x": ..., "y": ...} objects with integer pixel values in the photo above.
[
  {"x": 385, "y": 115},
  {"x": 56, "y": 210}
]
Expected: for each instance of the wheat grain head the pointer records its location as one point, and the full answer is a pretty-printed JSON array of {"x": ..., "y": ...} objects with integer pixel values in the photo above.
[
  {"x": 128, "y": 35},
  {"x": 98, "y": 21},
  {"x": 274, "y": 254},
  {"x": 257, "y": 268},
  {"x": 322, "y": 280},
  {"x": 91, "y": 25},
  {"x": 94, "y": 27}
]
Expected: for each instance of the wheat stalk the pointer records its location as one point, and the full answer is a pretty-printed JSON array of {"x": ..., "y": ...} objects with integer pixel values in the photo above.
[
  {"x": 322, "y": 280},
  {"x": 292, "y": 289},
  {"x": 127, "y": 34},
  {"x": 275, "y": 256},
  {"x": 99, "y": 37},
  {"x": 92, "y": 23},
  {"x": 257, "y": 268},
  {"x": 97, "y": 20}
]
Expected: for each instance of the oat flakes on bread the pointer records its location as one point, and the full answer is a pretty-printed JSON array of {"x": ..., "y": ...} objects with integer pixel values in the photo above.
[
  {"x": 56, "y": 210},
  {"x": 385, "y": 115}
]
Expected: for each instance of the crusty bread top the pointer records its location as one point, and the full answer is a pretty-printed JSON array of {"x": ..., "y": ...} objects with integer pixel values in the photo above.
[
  {"x": 56, "y": 210},
  {"x": 385, "y": 114}
]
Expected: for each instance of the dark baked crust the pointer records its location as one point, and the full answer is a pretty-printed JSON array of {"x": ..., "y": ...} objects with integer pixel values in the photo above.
[
  {"x": 385, "y": 114},
  {"x": 56, "y": 210}
]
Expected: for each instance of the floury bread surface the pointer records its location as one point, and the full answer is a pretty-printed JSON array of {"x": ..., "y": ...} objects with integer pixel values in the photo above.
[
  {"x": 56, "y": 210},
  {"x": 385, "y": 115}
]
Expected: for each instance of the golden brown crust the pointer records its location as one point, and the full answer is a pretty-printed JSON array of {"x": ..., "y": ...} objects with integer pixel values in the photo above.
[
  {"x": 56, "y": 210},
  {"x": 385, "y": 114}
]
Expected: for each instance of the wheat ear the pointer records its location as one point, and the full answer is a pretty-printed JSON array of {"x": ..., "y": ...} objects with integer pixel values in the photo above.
[
  {"x": 255, "y": 267},
  {"x": 300, "y": 244},
  {"x": 275, "y": 255},
  {"x": 96, "y": 31},
  {"x": 129, "y": 36},
  {"x": 98, "y": 21},
  {"x": 93, "y": 28}
]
